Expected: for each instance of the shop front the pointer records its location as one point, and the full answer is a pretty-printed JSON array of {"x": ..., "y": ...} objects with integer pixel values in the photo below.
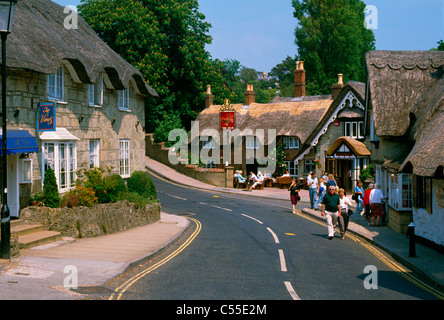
[
  {"x": 19, "y": 144},
  {"x": 345, "y": 159}
]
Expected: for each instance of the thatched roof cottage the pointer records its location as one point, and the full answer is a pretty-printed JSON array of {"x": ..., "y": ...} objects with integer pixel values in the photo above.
[
  {"x": 406, "y": 107},
  {"x": 97, "y": 101}
]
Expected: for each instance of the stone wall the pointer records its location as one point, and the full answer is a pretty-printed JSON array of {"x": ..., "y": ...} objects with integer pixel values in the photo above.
[
  {"x": 158, "y": 151},
  {"x": 86, "y": 222}
]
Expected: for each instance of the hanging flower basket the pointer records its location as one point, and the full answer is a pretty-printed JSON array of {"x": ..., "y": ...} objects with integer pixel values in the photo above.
[{"x": 318, "y": 163}]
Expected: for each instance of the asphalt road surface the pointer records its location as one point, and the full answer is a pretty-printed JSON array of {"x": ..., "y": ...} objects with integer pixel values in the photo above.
[{"x": 241, "y": 247}]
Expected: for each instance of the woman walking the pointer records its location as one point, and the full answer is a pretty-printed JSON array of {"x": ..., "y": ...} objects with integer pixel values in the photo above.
[
  {"x": 343, "y": 218},
  {"x": 294, "y": 193}
]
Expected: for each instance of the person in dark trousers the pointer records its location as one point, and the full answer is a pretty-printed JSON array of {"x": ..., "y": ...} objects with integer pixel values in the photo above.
[
  {"x": 294, "y": 193},
  {"x": 331, "y": 209}
]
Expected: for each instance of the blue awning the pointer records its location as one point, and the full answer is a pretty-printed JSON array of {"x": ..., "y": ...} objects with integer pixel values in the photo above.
[{"x": 19, "y": 141}]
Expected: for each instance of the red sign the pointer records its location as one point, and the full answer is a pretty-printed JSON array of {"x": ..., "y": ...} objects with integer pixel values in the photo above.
[{"x": 227, "y": 120}]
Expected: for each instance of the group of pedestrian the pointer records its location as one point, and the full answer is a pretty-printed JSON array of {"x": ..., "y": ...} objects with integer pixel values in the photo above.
[
  {"x": 373, "y": 203},
  {"x": 318, "y": 188},
  {"x": 335, "y": 208},
  {"x": 335, "y": 205}
]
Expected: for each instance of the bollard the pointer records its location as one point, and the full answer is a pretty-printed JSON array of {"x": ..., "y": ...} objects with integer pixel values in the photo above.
[{"x": 411, "y": 235}]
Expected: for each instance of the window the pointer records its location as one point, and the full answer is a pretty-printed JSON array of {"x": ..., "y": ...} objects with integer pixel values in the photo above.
[
  {"x": 208, "y": 144},
  {"x": 354, "y": 129},
  {"x": 252, "y": 142},
  {"x": 26, "y": 171},
  {"x": 124, "y": 157},
  {"x": 424, "y": 193},
  {"x": 95, "y": 92},
  {"x": 124, "y": 99},
  {"x": 401, "y": 194},
  {"x": 55, "y": 85},
  {"x": 61, "y": 157},
  {"x": 93, "y": 153},
  {"x": 292, "y": 168},
  {"x": 291, "y": 142},
  {"x": 309, "y": 166}
]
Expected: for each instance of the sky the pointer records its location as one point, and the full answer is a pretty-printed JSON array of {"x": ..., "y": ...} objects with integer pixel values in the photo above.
[{"x": 260, "y": 33}]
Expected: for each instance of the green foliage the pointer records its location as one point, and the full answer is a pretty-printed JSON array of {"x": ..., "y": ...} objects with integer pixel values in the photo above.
[
  {"x": 283, "y": 73},
  {"x": 141, "y": 184},
  {"x": 80, "y": 196},
  {"x": 367, "y": 175},
  {"x": 106, "y": 188},
  {"x": 170, "y": 122},
  {"x": 331, "y": 39},
  {"x": 51, "y": 197},
  {"x": 165, "y": 40}
]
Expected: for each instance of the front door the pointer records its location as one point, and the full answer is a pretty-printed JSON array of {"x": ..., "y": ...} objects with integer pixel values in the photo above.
[{"x": 13, "y": 186}]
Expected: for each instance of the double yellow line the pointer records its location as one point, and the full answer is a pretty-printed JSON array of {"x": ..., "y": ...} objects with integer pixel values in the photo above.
[
  {"x": 119, "y": 291},
  {"x": 404, "y": 272}
]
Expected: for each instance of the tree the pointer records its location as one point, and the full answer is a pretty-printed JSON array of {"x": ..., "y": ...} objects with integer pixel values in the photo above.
[
  {"x": 51, "y": 195},
  {"x": 283, "y": 74},
  {"x": 165, "y": 40},
  {"x": 440, "y": 46},
  {"x": 331, "y": 39}
]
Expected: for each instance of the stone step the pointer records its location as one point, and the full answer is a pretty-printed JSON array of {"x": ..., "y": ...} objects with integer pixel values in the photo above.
[
  {"x": 38, "y": 238},
  {"x": 24, "y": 229}
]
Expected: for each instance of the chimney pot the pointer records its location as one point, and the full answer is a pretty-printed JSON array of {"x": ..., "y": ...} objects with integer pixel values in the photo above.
[
  {"x": 336, "y": 88},
  {"x": 250, "y": 95},
  {"x": 208, "y": 98},
  {"x": 299, "y": 80}
]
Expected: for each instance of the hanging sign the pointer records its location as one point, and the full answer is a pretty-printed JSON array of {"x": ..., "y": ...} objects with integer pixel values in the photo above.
[
  {"x": 46, "y": 117},
  {"x": 227, "y": 116}
]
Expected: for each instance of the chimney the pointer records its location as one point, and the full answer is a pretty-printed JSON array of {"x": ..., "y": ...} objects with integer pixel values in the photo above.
[
  {"x": 336, "y": 88},
  {"x": 250, "y": 95},
  {"x": 208, "y": 98},
  {"x": 299, "y": 80}
]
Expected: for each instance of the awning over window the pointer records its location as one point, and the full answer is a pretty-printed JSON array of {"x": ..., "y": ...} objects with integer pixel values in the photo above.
[
  {"x": 61, "y": 134},
  {"x": 345, "y": 147},
  {"x": 19, "y": 141}
]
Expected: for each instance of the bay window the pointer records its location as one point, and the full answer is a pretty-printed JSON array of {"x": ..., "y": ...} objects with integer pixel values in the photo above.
[{"x": 61, "y": 158}]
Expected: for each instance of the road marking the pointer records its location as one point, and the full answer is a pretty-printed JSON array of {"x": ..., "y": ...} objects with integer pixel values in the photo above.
[
  {"x": 180, "y": 198},
  {"x": 276, "y": 239},
  {"x": 220, "y": 208},
  {"x": 289, "y": 234},
  {"x": 282, "y": 259},
  {"x": 128, "y": 283},
  {"x": 252, "y": 218},
  {"x": 203, "y": 203},
  {"x": 291, "y": 291}
]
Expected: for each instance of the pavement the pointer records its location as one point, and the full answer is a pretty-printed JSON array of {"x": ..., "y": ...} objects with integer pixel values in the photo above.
[{"x": 41, "y": 273}]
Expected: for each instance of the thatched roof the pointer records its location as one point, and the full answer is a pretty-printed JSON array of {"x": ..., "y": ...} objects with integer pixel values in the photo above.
[
  {"x": 39, "y": 42},
  {"x": 294, "y": 118},
  {"x": 358, "y": 89},
  {"x": 427, "y": 156},
  {"x": 357, "y": 147},
  {"x": 407, "y": 97},
  {"x": 397, "y": 80}
]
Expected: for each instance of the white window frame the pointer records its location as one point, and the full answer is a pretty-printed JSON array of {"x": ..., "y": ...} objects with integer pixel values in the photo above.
[
  {"x": 292, "y": 168},
  {"x": 94, "y": 152},
  {"x": 354, "y": 129},
  {"x": 291, "y": 143},
  {"x": 57, "y": 162},
  {"x": 26, "y": 175},
  {"x": 401, "y": 192},
  {"x": 124, "y": 158},
  {"x": 252, "y": 142},
  {"x": 95, "y": 92},
  {"x": 56, "y": 85},
  {"x": 124, "y": 99},
  {"x": 310, "y": 165}
]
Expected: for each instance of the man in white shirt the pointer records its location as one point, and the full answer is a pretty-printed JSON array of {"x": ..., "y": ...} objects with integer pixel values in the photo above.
[{"x": 312, "y": 183}]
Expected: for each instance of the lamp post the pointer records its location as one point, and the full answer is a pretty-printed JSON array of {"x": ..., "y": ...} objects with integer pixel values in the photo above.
[{"x": 7, "y": 10}]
